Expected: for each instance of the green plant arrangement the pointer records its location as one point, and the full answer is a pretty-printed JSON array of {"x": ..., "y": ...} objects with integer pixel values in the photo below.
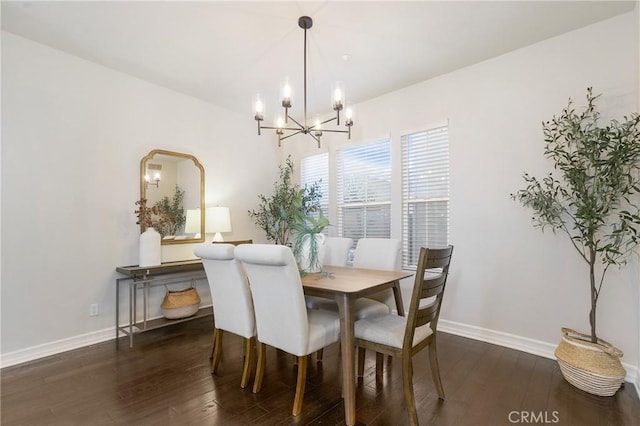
[
  {"x": 171, "y": 212},
  {"x": 308, "y": 235},
  {"x": 595, "y": 202},
  {"x": 166, "y": 217},
  {"x": 275, "y": 214}
]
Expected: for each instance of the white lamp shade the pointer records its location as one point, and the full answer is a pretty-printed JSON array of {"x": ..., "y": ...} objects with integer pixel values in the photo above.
[
  {"x": 218, "y": 219},
  {"x": 192, "y": 224}
]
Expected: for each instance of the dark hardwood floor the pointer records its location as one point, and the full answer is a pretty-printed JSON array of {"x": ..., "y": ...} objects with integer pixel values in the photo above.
[{"x": 165, "y": 380}]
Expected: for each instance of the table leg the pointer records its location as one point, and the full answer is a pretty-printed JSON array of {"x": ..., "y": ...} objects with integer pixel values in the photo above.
[
  {"x": 345, "y": 308},
  {"x": 117, "y": 310},
  {"x": 397, "y": 294},
  {"x": 132, "y": 308},
  {"x": 145, "y": 297}
]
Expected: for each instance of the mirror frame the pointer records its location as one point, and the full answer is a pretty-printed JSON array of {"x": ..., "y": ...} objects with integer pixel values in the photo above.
[{"x": 143, "y": 191}]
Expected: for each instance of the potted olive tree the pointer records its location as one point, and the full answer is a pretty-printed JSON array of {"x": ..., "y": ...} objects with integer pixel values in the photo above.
[{"x": 594, "y": 201}]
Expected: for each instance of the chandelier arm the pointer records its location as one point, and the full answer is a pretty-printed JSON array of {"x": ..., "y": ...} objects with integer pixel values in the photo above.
[
  {"x": 295, "y": 121},
  {"x": 315, "y": 137},
  {"x": 292, "y": 134},
  {"x": 334, "y": 131},
  {"x": 283, "y": 128},
  {"x": 328, "y": 120}
]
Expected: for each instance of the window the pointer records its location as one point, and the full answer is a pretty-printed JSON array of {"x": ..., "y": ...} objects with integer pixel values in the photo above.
[
  {"x": 425, "y": 192},
  {"x": 315, "y": 168},
  {"x": 363, "y": 189}
]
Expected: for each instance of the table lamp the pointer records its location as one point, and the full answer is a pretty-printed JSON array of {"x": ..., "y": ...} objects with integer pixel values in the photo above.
[
  {"x": 217, "y": 220},
  {"x": 192, "y": 223}
]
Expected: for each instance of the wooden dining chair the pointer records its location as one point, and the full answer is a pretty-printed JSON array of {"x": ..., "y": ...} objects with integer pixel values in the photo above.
[
  {"x": 232, "y": 303},
  {"x": 406, "y": 336},
  {"x": 282, "y": 318}
]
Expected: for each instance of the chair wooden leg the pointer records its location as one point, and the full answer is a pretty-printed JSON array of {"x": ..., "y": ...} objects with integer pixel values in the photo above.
[
  {"x": 217, "y": 350},
  {"x": 257, "y": 382},
  {"x": 319, "y": 354},
  {"x": 300, "y": 385},
  {"x": 248, "y": 361},
  {"x": 407, "y": 385},
  {"x": 379, "y": 364},
  {"x": 361, "y": 355},
  {"x": 213, "y": 343},
  {"x": 435, "y": 369}
]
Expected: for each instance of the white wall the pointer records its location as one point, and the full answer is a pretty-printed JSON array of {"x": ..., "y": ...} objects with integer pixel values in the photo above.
[
  {"x": 508, "y": 278},
  {"x": 61, "y": 238},
  {"x": 73, "y": 134}
]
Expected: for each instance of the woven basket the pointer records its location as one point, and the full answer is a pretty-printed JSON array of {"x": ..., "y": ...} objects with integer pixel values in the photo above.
[
  {"x": 592, "y": 367},
  {"x": 181, "y": 303}
]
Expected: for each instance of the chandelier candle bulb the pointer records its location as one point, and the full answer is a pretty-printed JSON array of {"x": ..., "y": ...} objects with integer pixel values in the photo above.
[
  {"x": 286, "y": 95},
  {"x": 258, "y": 110},
  {"x": 348, "y": 114},
  {"x": 279, "y": 130},
  {"x": 337, "y": 96}
]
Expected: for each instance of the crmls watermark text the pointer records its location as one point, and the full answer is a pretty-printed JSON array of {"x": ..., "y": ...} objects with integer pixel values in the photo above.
[{"x": 534, "y": 417}]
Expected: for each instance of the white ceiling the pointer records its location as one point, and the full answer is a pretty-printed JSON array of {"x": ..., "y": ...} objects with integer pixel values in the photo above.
[{"x": 226, "y": 52}]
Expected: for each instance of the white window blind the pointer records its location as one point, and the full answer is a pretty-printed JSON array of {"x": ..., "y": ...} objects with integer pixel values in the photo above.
[
  {"x": 315, "y": 168},
  {"x": 363, "y": 185},
  {"x": 425, "y": 192}
]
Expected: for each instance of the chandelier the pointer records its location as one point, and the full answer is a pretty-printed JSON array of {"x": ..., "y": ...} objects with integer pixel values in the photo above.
[{"x": 293, "y": 126}]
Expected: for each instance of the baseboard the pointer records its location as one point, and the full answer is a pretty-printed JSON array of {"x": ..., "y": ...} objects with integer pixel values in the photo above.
[
  {"x": 56, "y": 347},
  {"x": 524, "y": 344},
  {"x": 53, "y": 348}
]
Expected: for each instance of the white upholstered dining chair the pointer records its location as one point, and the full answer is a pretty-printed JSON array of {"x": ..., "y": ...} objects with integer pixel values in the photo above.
[
  {"x": 379, "y": 253},
  {"x": 364, "y": 306},
  {"x": 232, "y": 303},
  {"x": 282, "y": 318},
  {"x": 337, "y": 250}
]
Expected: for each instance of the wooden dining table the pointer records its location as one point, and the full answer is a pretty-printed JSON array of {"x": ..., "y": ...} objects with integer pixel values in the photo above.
[{"x": 345, "y": 285}]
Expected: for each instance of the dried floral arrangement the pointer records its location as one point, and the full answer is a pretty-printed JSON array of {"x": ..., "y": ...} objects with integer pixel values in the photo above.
[{"x": 165, "y": 216}]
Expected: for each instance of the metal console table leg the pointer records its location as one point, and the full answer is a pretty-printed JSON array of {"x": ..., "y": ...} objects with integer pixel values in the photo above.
[{"x": 147, "y": 277}]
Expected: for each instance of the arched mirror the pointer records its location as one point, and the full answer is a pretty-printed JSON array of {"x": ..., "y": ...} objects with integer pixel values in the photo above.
[{"x": 173, "y": 185}]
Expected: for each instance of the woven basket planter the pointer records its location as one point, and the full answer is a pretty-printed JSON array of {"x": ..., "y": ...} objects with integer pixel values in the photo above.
[
  {"x": 181, "y": 303},
  {"x": 591, "y": 367}
]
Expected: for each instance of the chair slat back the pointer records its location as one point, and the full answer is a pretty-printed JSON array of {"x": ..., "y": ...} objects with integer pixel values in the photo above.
[
  {"x": 429, "y": 283},
  {"x": 433, "y": 286},
  {"x": 440, "y": 259},
  {"x": 426, "y": 314}
]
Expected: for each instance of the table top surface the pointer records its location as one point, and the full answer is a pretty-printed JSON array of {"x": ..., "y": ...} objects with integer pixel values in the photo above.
[
  {"x": 339, "y": 279},
  {"x": 163, "y": 268}
]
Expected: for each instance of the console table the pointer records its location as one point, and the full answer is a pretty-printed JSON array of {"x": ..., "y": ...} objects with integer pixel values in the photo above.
[{"x": 146, "y": 277}]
